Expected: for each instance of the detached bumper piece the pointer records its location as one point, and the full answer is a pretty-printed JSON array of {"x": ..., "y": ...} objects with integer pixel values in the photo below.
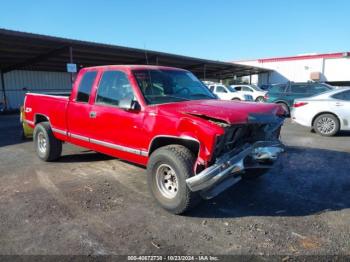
[{"x": 228, "y": 168}]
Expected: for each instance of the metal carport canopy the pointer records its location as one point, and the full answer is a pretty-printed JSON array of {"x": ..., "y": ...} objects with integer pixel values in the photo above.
[{"x": 27, "y": 51}]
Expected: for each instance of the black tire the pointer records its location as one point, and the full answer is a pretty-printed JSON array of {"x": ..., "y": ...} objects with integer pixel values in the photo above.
[
  {"x": 180, "y": 160},
  {"x": 236, "y": 99},
  {"x": 333, "y": 124},
  {"x": 53, "y": 147},
  {"x": 252, "y": 174},
  {"x": 260, "y": 99},
  {"x": 285, "y": 107}
]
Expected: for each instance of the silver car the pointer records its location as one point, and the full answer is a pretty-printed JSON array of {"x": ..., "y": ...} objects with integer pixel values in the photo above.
[{"x": 326, "y": 113}]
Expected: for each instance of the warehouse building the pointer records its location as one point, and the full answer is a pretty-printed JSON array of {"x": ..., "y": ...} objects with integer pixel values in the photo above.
[
  {"x": 39, "y": 63},
  {"x": 331, "y": 68}
]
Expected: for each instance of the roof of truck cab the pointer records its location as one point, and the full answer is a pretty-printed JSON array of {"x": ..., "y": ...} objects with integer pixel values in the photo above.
[{"x": 136, "y": 67}]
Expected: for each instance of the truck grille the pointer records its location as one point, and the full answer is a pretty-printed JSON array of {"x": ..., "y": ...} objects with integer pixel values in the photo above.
[{"x": 236, "y": 136}]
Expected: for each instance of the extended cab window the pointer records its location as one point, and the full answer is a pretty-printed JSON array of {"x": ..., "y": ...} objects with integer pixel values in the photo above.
[
  {"x": 114, "y": 86},
  {"x": 85, "y": 86}
]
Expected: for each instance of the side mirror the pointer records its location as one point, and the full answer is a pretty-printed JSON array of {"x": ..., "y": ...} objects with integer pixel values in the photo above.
[{"x": 129, "y": 104}]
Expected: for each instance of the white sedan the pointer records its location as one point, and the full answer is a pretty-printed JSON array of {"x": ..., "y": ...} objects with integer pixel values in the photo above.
[
  {"x": 253, "y": 90},
  {"x": 228, "y": 93},
  {"x": 326, "y": 113}
]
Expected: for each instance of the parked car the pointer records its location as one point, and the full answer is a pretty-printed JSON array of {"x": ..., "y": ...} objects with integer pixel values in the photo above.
[
  {"x": 285, "y": 94},
  {"x": 253, "y": 90},
  {"x": 228, "y": 93},
  {"x": 193, "y": 144},
  {"x": 326, "y": 113}
]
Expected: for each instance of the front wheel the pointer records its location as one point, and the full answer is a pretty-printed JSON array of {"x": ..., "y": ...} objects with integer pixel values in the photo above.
[
  {"x": 236, "y": 99},
  {"x": 168, "y": 168},
  {"x": 47, "y": 146},
  {"x": 326, "y": 125}
]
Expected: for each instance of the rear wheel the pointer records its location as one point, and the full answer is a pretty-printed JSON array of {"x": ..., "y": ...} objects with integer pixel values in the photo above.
[
  {"x": 260, "y": 99},
  {"x": 168, "y": 169},
  {"x": 326, "y": 125},
  {"x": 236, "y": 99},
  {"x": 47, "y": 146}
]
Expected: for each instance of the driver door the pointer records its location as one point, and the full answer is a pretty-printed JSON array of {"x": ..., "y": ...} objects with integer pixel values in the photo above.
[{"x": 115, "y": 128}]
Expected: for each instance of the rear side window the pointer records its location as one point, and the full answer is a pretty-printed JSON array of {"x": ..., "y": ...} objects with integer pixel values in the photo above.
[
  {"x": 345, "y": 95},
  {"x": 278, "y": 88},
  {"x": 247, "y": 89},
  {"x": 114, "y": 87},
  {"x": 85, "y": 86},
  {"x": 300, "y": 89},
  {"x": 211, "y": 88}
]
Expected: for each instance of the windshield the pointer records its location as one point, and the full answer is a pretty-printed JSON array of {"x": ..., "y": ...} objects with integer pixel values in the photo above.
[{"x": 160, "y": 86}]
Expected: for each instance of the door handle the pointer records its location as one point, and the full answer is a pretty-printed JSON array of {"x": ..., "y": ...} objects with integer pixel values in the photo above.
[{"x": 92, "y": 114}]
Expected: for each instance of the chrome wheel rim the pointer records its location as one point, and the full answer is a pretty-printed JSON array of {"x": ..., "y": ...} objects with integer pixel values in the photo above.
[
  {"x": 260, "y": 99},
  {"x": 42, "y": 143},
  {"x": 326, "y": 125},
  {"x": 167, "y": 181}
]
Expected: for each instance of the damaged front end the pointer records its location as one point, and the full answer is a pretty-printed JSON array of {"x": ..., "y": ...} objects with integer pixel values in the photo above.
[{"x": 254, "y": 145}]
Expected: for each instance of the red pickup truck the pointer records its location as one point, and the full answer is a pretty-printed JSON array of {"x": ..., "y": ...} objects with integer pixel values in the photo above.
[{"x": 194, "y": 145}]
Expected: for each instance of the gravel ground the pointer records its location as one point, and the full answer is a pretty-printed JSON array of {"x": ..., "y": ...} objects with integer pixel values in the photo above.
[{"x": 89, "y": 203}]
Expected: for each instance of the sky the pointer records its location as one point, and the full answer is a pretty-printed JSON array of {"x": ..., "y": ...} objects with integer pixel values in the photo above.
[{"x": 225, "y": 30}]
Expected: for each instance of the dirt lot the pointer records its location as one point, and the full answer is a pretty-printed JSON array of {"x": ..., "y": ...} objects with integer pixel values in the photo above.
[{"x": 88, "y": 203}]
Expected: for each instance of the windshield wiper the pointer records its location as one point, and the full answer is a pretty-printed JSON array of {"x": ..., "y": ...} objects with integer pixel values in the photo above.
[
  {"x": 178, "y": 97},
  {"x": 168, "y": 96},
  {"x": 198, "y": 94}
]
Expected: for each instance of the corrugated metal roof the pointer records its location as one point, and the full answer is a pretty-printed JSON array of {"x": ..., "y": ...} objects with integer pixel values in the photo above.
[{"x": 20, "y": 50}]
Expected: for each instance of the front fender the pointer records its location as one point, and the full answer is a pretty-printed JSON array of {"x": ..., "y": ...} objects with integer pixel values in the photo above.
[{"x": 202, "y": 131}]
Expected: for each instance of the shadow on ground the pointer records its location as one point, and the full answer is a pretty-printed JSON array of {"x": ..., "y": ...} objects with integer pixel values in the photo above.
[
  {"x": 85, "y": 156},
  {"x": 344, "y": 133},
  {"x": 303, "y": 182},
  {"x": 10, "y": 130}
]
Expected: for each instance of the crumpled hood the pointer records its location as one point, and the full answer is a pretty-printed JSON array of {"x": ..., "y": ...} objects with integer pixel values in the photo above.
[{"x": 231, "y": 112}]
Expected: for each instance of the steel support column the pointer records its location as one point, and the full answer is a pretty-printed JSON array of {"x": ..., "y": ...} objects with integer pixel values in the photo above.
[
  {"x": 2, "y": 80},
  {"x": 204, "y": 72},
  {"x": 71, "y": 61}
]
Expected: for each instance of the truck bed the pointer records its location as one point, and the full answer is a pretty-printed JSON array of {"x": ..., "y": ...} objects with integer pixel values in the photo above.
[{"x": 38, "y": 105}]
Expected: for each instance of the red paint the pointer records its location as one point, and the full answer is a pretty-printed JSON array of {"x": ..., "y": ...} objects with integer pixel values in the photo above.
[
  {"x": 136, "y": 129},
  {"x": 302, "y": 57},
  {"x": 299, "y": 104}
]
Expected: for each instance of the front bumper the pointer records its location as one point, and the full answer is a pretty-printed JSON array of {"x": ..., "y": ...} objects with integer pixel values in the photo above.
[{"x": 227, "y": 169}]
